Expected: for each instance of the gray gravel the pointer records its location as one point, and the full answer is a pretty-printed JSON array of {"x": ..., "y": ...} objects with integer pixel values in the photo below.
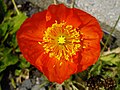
[
  {"x": 27, "y": 84},
  {"x": 42, "y": 3},
  {"x": 37, "y": 87}
]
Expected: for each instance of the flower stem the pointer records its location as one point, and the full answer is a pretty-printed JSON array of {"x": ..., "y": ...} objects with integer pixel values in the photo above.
[
  {"x": 13, "y": 82},
  {"x": 66, "y": 84},
  {"x": 86, "y": 88},
  {"x": 55, "y": 2},
  {"x": 72, "y": 4},
  {"x": 110, "y": 35},
  {"x": 74, "y": 87},
  {"x": 13, "y": 1},
  {"x": 79, "y": 84},
  {"x": 103, "y": 44},
  {"x": 43, "y": 84}
]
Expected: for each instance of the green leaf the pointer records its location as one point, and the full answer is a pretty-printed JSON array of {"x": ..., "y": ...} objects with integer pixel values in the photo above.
[
  {"x": 3, "y": 29},
  {"x": 7, "y": 59},
  {"x": 24, "y": 63},
  {"x": 118, "y": 87},
  {"x": 111, "y": 58},
  {"x": 9, "y": 27},
  {"x": 18, "y": 20},
  {"x": 17, "y": 72},
  {"x": 97, "y": 69},
  {"x": 12, "y": 40},
  {"x": 107, "y": 57}
]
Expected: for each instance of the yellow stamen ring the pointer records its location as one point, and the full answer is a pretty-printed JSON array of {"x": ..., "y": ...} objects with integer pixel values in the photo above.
[{"x": 61, "y": 41}]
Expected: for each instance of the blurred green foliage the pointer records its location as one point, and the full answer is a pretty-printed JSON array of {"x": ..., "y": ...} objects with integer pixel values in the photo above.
[
  {"x": 8, "y": 43},
  {"x": 10, "y": 54}
]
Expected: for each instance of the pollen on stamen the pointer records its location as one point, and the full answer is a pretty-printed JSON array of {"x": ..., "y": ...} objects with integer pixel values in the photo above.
[
  {"x": 84, "y": 46},
  {"x": 61, "y": 63},
  {"x": 81, "y": 33},
  {"x": 39, "y": 43},
  {"x": 69, "y": 26},
  {"x": 81, "y": 39}
]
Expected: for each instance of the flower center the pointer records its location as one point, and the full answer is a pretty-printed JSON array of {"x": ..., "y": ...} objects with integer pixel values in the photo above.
[{"x": 61, "y": 41}]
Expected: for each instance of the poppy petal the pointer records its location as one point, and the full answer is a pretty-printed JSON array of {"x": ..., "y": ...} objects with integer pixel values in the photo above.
[
  {"x": 42, "y": 36},
  {"x": 61, "y": 13},
  {"x": 88, "y": 22},
  {"x": 55, "y": 70},
  {"x": 33, "y": 27},
  {"x": 29, "y": 34},
  {"x": 91, "y": 47}
]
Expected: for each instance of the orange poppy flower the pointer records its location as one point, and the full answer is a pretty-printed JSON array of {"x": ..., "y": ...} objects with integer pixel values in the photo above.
[{"x": 60, "y": 41}]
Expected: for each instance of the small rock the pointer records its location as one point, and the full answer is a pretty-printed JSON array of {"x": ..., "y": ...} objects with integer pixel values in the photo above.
[
  {"x": 27, "y": 84},
  {"x": 22, "y": 88},
  {"x": 42, "y": 3},
  {"x": 37, "y": 87}
]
